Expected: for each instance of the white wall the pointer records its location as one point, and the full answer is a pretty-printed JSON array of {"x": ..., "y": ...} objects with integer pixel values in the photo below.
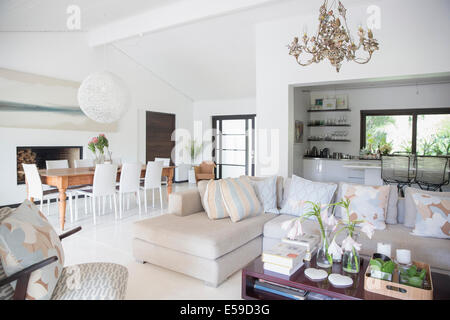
[
  {"x": 399, "y": 97},
  {"x": 67, "y": 56},
  {"x": 301, "y": 102},
  {"x": 411, "y": 43},
  {"x": 203, "y": 112}
]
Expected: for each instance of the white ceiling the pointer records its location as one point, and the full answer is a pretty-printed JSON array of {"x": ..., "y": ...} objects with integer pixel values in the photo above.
[
  {"x": 51, "y": 15},
  {"x": 209, "y": 59}
]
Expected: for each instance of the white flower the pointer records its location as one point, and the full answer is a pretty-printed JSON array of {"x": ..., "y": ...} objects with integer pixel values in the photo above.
[
  {"x": 332, "y": 222},
  {"x": 368, "y": 229},
  {"x": 334, "y": 249},
  {"x": 294, "y": 226},
  {"x": 348, "y": 244}
]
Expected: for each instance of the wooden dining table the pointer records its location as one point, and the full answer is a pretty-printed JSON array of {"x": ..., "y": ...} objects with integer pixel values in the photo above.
[{"x": 65, "y": 178}]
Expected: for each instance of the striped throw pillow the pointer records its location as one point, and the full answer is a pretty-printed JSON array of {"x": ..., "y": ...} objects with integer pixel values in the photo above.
[
  {"x": 212, "y": 201},
  {"x": 240, "y": 198}
]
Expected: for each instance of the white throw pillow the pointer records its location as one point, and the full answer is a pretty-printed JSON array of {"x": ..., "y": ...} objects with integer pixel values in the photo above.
[
  {"x": 266, "y": 191},
  {"x": 302, "y": 190}
]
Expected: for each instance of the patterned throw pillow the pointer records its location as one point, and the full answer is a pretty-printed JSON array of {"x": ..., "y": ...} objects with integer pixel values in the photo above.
[
  {"x": 302, "y": 190},
  {"x": 366, "y": 203},
  {"x": 391, "y": 211},
  {"x": 26, "y": 237},
  {"x": 6, "y": 292},
  {"x": 240, "y": 198},
  {"x": 266, "y": 191},
  {"x": 213, "y": 202},
  {"x": 433, "y": 216}
]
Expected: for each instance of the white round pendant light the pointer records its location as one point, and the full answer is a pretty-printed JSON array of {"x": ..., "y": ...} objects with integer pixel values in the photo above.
[{"x": 103, "y": 97}]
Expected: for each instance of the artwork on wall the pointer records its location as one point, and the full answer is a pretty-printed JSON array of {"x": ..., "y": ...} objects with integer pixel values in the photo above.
[
  {"x": 329, "y": 104},
  {"x": 298, "y": 132},
  {"x": 38, "y": 102},
  {"x": 341, "y": 101}
]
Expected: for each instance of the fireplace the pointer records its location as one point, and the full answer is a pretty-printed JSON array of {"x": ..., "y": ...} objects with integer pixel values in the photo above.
[{"x": 39, "y": 155}]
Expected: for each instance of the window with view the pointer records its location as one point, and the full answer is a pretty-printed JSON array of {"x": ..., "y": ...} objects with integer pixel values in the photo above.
[{"x": 420, "y": 131}]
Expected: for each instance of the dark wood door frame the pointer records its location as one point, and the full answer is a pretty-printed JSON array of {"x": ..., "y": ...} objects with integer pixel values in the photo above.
[
  {"x": 234, "y": 117},
  {"x": 159, "y": 126}
]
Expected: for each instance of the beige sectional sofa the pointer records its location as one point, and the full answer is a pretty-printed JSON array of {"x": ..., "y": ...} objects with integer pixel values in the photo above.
[{"x": 187, "y": 241}]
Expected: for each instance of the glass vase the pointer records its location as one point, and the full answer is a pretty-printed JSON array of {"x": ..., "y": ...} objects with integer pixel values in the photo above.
[
  {"x": 108, "y": 156},
  {"x": 350, "y": 258},
  {"x": 99, "y": 158},
  {"x": 323, "y": 258}
]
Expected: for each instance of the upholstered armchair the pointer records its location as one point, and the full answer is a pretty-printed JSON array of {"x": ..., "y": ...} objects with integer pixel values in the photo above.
[
  {"x": 205, "y": 171},
  {"x": 87, "y": 281}
]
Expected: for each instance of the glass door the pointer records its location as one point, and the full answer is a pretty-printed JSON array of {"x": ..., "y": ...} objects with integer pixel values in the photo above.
[{"x": 234, "y": 145}]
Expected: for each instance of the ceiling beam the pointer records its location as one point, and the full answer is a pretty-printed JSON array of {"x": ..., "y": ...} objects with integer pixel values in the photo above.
[{"x": 179, "y": 13}]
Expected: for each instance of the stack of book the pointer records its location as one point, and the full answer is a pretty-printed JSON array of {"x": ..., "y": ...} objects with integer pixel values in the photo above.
[
  {"x": 309, "y": 241},
  {"x": 284, "y": 258},
  {"x": 279, "y": 289}
]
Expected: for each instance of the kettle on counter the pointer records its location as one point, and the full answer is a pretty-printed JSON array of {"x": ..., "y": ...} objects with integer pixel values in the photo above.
[{"x": 314, "y": 152}]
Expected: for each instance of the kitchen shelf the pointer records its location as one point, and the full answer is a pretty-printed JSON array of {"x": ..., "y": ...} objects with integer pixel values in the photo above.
[
  {"x": 331, "y": 110},
  {"x": 329, "y": 125},
  {"x": 330, "y": 140}
]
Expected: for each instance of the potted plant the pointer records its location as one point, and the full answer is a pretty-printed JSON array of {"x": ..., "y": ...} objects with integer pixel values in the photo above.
[
  {"x": 97, "y": 145},
  {"x": 194, "y": 150}
]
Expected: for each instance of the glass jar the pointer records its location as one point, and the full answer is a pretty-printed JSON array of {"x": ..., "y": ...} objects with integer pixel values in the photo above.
[
  {"x": 323, "y": 258},
  {"x": 350, "y": 259}
]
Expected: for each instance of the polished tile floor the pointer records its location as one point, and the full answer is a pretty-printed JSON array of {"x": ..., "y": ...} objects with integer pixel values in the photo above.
[{"x": 110, "y": 241}]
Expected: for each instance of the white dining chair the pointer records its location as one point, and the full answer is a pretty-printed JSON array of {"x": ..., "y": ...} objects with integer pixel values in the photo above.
[
  {"x": 84, "y": 163},
  {"x": 117, "y": 161},
  {"x": 152, "y": 181},
  {"x": 64, "y": 164},
  {"x": 35, "y": 189},
  {"x": 104, "y": 185},
  {"x": 129, "y": 184},
  {"x": 57, "y": 164},
  {"x": 166, "y": 163}
]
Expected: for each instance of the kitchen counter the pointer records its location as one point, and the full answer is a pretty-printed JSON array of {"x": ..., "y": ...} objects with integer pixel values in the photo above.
[
  {"x": 331, "y": 159},
  {"x": 343, "y": 170}
]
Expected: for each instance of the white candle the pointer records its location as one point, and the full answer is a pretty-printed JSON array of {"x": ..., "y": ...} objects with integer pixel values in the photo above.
[
  {"x": 384, "y": 248},
  {"x": 404, "y": 256}
]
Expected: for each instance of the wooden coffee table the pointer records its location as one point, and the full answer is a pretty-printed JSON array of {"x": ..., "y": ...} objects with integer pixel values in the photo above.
[{"x": 255, "y": 271}]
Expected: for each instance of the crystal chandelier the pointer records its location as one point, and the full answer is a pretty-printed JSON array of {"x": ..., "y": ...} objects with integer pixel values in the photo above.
[
  {"x": 103, "y": 97},
  {"x": 333, "y": 40}
]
